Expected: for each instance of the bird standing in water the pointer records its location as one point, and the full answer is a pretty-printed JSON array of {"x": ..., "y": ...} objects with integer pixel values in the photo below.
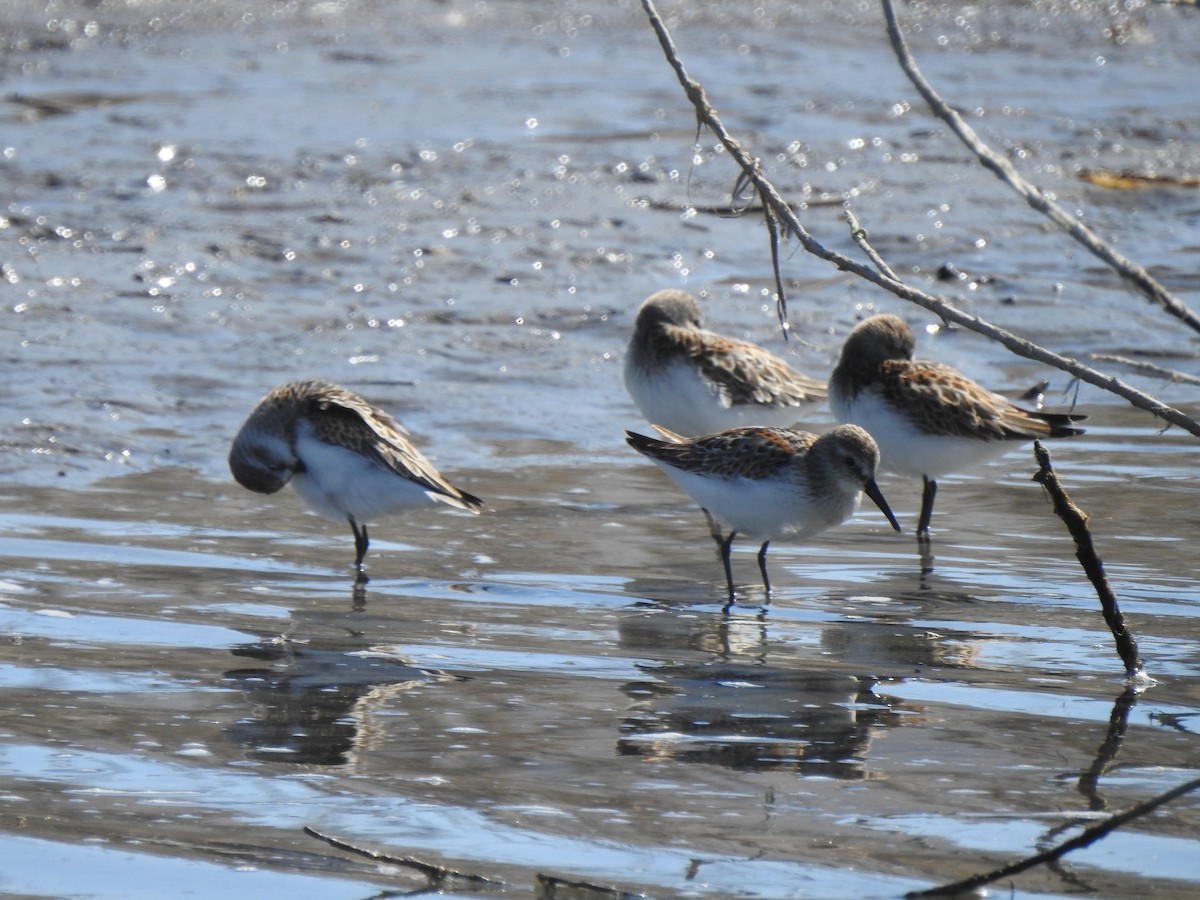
[
  {"x": 927, "y": 418},
  {"x": 350, "y": 461},
  {"x": 765, "y": 482}
]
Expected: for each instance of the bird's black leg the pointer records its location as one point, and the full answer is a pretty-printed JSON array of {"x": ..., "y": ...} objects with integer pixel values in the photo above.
[
  {"x": 762, "y": 567},
  {"x": 714, "y": 527},
  {"x": 926, "y": 509},
  {"x": 361, "y": 543},
  {"x": 725, "y": 547}
]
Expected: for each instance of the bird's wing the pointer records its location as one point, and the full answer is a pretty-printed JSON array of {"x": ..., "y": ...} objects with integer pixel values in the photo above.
[
  {"x": 740, "y": 452},
  {"x": 341, "y": 418},
  {"x": 745, "y": 373},
  {"x": 940, "y": 400}
]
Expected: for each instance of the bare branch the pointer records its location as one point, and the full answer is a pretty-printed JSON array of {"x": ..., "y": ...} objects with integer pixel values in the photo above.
[
  {"x": 938, "y": 305},
  {"x": 1034, "y": 196}
]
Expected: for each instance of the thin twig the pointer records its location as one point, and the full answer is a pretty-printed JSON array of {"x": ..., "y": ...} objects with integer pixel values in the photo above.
[
  {"x": 781, "y": 306},
  {"x": 1033, "y": 195},
  {"x": 938, "y": 305},
  {"x": 1148, "y": 368},
  {"x": 1076, "y": 522},
  {"x": 1083, "y": 839},
  {"x": 859, "y": 234}
]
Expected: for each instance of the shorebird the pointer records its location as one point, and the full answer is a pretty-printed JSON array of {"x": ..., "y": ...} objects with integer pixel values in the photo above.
[
  {"x": 694, "y": 381},
  {"x": 765, "y": 482},
  {"x": 350, "y": 461},
  {"x": 927, "y": 418}
]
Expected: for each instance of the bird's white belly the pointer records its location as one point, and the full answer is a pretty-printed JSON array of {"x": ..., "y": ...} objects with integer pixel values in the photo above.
[
  {"x": 680, "y": 399},
  {"x": 906, "y": 450},
  {"x": 338, "y": 483},
  {"x": 764, "y": 509}
]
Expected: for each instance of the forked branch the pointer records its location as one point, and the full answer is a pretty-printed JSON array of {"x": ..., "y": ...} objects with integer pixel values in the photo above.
[
  {"x": 1033, "y": 195},
  {"x": 786, "y": 219}
]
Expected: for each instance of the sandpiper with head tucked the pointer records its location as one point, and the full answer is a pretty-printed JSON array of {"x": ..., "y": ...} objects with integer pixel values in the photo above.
[
  {"x": 347, "y": 459},
  {"x": 928, "y": 419},
  {"x": 765, "y": 482},
  {"x": 695, "y": 382}
]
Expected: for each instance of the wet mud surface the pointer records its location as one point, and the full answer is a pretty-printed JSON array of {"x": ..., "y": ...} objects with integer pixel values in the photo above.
[{"x": 455, "y": 209}]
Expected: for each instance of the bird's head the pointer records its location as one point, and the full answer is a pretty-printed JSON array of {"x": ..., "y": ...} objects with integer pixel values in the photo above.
[{"x": 261, "y": 463}]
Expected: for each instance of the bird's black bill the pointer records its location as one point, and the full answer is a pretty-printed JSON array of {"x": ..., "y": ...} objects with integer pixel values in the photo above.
[{"x": 871, "y": 489}]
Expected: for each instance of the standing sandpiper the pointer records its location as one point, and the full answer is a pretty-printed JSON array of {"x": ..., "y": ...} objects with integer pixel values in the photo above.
[
  {"x": 695, "y": 382},
  {"x": 928, "y": 419},
  {"x": 765, "y": 482}
]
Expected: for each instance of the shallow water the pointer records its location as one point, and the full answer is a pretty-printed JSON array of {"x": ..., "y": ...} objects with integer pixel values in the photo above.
[{"x": 454, "y": 210}]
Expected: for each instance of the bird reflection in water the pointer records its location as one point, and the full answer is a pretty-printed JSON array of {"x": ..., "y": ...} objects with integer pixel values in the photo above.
[
  {"x": 312, "y": 702},
  {"x": 753, "y": 718}
]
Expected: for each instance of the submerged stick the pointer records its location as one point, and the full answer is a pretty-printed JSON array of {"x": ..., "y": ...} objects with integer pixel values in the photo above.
[
  {"x": 552, "y": 888},
  {"x": 1076, "y": 522},
  {"x": 1085, "y": 838},
  {"x": 435, "y": 874},
  {"x": 786, "y": 219}
]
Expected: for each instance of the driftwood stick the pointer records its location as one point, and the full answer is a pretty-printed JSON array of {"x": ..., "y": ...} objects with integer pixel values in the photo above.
[
  {"x": 435, "y": 874},
  {"x": 1076, "y": 522},
  {"x": 1033, "y": 195},
  {"x": 940, "y": 306},
  {"x": 1085, "y": 838}
]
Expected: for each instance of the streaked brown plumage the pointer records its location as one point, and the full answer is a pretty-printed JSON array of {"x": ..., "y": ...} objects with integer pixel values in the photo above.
[
  {"x": 695, "y": 381},
  {"x": 349, "y": 460},
  {"x": 927, "y": 418},
  {"x": 769, "y": 481}
]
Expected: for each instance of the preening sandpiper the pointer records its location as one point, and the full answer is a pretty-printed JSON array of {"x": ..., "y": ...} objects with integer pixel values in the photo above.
[{"x": 350, "y": 461}]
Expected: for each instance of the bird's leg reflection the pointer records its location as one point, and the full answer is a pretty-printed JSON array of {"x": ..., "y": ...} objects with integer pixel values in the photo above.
[
  {"x": 743, "y": 636},
  {"x": 925, "y": 553},
  {"x": 358, "y": 595}
]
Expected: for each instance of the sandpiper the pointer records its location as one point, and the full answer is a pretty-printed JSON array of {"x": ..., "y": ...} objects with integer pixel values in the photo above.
[
  {"x": 695, "y": 382},
  {"x": 927, "y": 418},
  {"x": 765, "y": 482},
  {"x": 349, "y": 461}
]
